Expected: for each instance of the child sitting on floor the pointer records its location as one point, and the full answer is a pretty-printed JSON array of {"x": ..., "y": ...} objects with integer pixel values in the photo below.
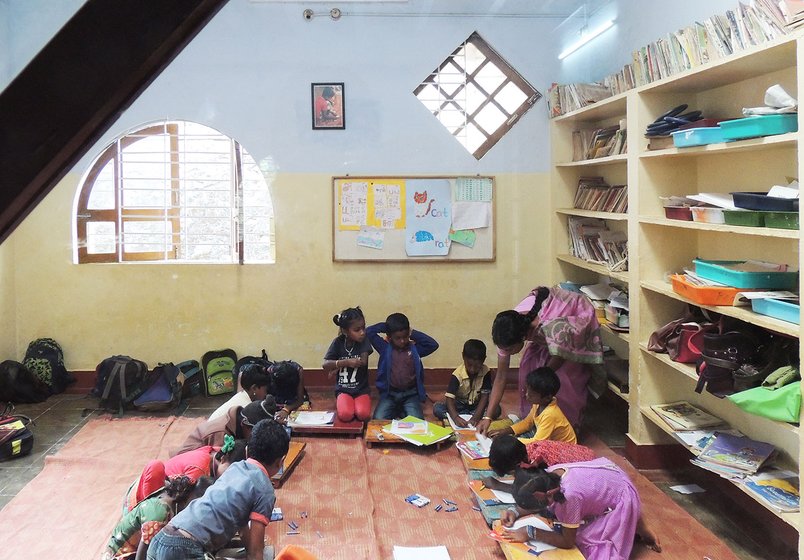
[
  {"x": 348, "y": 357},
  {"x": 594, "y": 503},
  {"x": 237, "y": 423},
  {"x": 254, "y": 382},
  {"x": 545, "y": 416},
  {"x": 204, "y": 461},
  {"x": 469, "y": 388},
  {"x": 242, "y": 499},
  {"x": 287, "y": 386},
  {"x": 507, "y": 453},
  {"x": 400, "y": 373},
  {"x": 133, "y": 533}
]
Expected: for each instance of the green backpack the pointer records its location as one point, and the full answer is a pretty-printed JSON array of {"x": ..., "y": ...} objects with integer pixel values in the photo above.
[{"x": 219, "y": 375}]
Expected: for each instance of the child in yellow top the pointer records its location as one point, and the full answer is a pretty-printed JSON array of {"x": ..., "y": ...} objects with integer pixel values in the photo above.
[{"x": 545, "y": 416}]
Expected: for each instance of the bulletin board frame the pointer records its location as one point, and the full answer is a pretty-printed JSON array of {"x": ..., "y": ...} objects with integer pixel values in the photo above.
[{"x": 345, "y": 246}]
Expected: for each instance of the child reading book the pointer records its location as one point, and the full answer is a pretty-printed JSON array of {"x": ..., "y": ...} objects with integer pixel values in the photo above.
[
  {"x": 469, "y": 388},
  {"x": 545, "y": 416}
]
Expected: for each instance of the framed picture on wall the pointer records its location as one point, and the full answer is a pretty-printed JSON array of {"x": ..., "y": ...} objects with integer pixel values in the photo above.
[{"x": 328, "y": 106}]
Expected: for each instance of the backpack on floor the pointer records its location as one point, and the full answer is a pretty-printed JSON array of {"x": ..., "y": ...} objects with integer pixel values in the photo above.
[
  {"x": 16, "y": 438},
  {"x": 118, "y": 381},
  {"x": 19, "y": 385},
  {"x": 193, "y": 379},
  {"x": 248, "y": 360},
  {"x": 45, "y": 359},
  {"x": 164, "y": 393},
  {"x": 218, "y": 367}
]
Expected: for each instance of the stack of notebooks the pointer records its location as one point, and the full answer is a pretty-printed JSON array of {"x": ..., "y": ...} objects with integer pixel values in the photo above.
[
  {"x": 591, "y": 240},
  {"x": 599, "y": 142},
  {"x": 733, "y": 456},
  {"x": 417, "y": 431},
  {"x": 779, "y": 489},
  {"x": 595, "y": 194},
  {"x": 681, "y": 416}
]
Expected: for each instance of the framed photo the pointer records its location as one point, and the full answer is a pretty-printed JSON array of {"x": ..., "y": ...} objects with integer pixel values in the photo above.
[{"x": 328, "y": 106}]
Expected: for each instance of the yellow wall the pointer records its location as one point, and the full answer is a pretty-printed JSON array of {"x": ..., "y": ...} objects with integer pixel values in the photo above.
[
  {"x": 161, "y": 312},
  {"x": 8, "y": 324}
]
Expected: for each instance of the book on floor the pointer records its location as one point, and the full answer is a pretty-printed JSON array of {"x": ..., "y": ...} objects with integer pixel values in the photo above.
[
  {"x": 682, "y": 415},
  {"x": 432, "y": 432},
  {"x": 472, "y": 449}
]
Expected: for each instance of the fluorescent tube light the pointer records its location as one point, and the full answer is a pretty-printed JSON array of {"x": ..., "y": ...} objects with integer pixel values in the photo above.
[{"x": 585, "y": 39}]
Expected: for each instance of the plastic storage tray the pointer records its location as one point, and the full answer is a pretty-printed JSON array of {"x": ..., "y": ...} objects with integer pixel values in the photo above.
[
  {"x": 707, "y": 215},
  {"x": 761, "y": 201},
  {"x": 678, "y": 213},
  {"x": 777, "y": 308},
  {"x": 697, "y": 136},
  {"x": 704, "y": 295},
  {"x": 716, "y": 271},
  {"x": 750, "y": 218},
  {"x": 761, "y": 125},
  {"x": 782, "y": 220}
]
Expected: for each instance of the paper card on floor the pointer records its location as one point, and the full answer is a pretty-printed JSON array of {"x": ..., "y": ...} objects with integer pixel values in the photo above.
[
  {"x": 421, "y": 553},
  {"x": 466, "y": 417},
  {"x": 687, "y": 488},
  {"x": 504, "y": 497}
]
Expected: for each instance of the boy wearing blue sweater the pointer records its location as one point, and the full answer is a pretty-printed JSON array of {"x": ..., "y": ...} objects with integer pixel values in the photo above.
[
  {"x": 240, "y": 500},
  {"x": 400, "y": 373}
]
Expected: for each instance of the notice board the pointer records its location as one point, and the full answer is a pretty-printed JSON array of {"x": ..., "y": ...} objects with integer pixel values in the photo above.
[{"x": 413, "y": 219}]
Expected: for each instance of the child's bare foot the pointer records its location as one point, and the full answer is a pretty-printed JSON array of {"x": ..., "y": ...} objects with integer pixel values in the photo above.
[{"x": 649, "y": 539}]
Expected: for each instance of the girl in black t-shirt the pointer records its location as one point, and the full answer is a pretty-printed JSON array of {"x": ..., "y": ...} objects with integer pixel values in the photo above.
[{"x": 348, "y": 357}]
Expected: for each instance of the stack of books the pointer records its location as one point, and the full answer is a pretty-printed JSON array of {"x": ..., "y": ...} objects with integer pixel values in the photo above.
[
  {"x": 777, "y": 488},
  {"x": 417, "y": 431},
  {"x": 733, "y": 456},
  {"x": 599, "y": 142},
  {"x": 592, "y": 241},
  {"x": 595, "y": 194},
  {"x": 681, "y": 416},
  {"x": 716, "y": 37}
]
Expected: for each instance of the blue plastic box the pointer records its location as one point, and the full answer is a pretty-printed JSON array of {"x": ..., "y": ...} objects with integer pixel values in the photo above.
[
  {"x": 697, "y": 136},
  {"x": 777, "y": 308},
  {"x": 760, "y": 125},
  {"x": 716, "y": 271}
]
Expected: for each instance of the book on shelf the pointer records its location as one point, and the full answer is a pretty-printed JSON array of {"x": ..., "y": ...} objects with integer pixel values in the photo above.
[
  {"x": 592, "y": 241},
  {"x": 681, "y": 415},
  {"x": 777, "y": 488},
  {"x": 595, "y": 194},
  {"x": 739, "y": 453}
]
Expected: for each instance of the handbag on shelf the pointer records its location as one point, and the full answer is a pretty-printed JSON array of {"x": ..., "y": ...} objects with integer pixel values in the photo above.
[
  {"x": 783, "y": 405},
  {"x": 687, "y": 346},
  {"x": 722, "y": 355}
]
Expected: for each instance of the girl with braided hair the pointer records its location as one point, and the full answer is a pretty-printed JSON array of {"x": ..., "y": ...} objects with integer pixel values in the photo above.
[
  {"x": 132, "y": 535},
  {"x": 204, "y": 461},
  {"x": 594, "y": 503},
  {"x": 347, "y": 356},
  {"x": 558, "y": 329}
]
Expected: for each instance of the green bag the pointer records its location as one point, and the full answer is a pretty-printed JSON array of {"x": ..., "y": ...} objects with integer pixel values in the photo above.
[{"x": 783, "y": 404}]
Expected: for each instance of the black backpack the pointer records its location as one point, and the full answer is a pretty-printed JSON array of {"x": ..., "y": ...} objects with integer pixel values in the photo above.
[
  {"x": 19, "y": 385},
  {"x": 164, "y": 393},
  {"x": 248, "y": 360},
  {"x": 119, "y": 380},
  {"x": 45, "y": 359},
  {"x": 193, "y": 378},
  {"x": 16, "y": 438}
]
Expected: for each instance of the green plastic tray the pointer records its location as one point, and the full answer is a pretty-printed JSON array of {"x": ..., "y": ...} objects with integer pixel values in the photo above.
[
  {"x": 744, "y": 218},
  {"x": 783, "y": 220}
]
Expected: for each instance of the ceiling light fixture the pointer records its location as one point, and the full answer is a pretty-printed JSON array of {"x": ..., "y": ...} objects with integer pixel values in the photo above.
[{"x": 585, "y": 38}]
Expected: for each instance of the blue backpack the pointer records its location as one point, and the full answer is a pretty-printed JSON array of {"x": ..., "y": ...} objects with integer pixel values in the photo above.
[{"x": 165, "y": 390}]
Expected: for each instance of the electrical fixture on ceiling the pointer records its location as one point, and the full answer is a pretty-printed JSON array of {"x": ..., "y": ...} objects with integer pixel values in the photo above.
[{"x": 586, "y": 37}]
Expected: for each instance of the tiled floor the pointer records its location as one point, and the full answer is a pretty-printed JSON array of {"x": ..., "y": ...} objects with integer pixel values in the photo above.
[{"x": 59, "y": 418}]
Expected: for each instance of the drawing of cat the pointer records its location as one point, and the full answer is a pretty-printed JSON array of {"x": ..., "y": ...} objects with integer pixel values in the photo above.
[{"x": 420, "y": 199}]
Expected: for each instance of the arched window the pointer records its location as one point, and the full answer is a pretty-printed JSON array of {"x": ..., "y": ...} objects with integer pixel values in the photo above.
[{"x": 174, "y": 191}]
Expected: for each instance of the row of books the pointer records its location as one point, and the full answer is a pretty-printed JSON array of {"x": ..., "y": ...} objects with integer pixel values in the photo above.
[
  {"x": 732, "y": 455},
  {"x": 716, "y": 37},
  {"x": 592, "y": 241},
  {"x": 595, "y": 194},
  {"x": 599, "y": 142}
]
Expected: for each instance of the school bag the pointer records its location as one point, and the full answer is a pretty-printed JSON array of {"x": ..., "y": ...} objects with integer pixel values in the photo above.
[
  {"x": 193, "y": 379},
  {"x": 16, "y": 438},
  {"x": 45, "y": 359},
  {"x": 248, "y": 360},
  {"x": 164, "y": 393},
  {"x": 118, "y": 381},
  {"x": 19, "y": 385},
  {"x": 218, "y": 369}
]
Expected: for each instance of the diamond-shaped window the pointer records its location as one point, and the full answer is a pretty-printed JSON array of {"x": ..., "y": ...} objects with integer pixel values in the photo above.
[{"x": 476, "y": 95}]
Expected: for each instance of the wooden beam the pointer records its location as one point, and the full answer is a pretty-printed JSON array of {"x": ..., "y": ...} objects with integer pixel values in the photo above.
[{"x": 79, "y": 84}]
